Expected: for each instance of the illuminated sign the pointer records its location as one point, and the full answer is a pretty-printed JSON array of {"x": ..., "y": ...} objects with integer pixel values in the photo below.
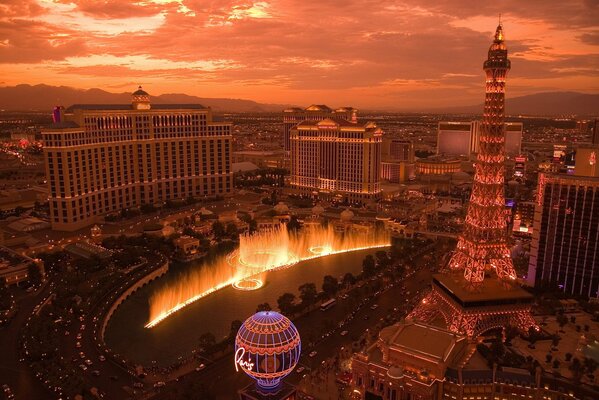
[{"x": 240, "y": 362}]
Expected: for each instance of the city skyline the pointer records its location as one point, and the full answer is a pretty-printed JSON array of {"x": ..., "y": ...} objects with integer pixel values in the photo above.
[{"x": 381, "y": 55}]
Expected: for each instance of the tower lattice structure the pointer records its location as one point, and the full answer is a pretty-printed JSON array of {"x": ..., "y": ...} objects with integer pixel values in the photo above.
[
  {"x": 471, "y": 304},
  {"x": 483, "y": 243}
]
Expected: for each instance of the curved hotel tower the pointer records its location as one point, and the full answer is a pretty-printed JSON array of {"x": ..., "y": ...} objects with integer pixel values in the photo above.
[{"x": 101, "y": 158}]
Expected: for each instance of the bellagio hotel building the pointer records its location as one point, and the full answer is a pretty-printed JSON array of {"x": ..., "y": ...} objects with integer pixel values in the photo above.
[
  {"x": 337, "y": 159},
  {"x": 103, "y": 158}
]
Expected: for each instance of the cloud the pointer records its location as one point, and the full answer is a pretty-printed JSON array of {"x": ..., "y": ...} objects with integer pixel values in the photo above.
[{"x": 367, "y": 52}]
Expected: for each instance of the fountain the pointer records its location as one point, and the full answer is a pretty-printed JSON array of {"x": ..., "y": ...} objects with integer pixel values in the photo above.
[{"x": 259, "y": 253}]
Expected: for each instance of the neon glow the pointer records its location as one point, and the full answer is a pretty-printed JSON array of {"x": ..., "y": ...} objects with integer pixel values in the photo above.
[
  {"x": 272, "y": 346},
  {"x": 264, "y": 251}
]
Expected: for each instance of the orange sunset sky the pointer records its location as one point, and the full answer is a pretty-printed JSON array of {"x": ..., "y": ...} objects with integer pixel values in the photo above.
[{"x": 381, "y": 54}]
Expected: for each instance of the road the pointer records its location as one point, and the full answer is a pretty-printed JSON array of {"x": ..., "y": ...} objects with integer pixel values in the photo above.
[{"x": 13, "y": 372}]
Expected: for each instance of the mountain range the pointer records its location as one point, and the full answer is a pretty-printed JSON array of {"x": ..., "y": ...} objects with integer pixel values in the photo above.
[
  {"x": 44, "y": 97},
  {"x": 546, "y": 104}
]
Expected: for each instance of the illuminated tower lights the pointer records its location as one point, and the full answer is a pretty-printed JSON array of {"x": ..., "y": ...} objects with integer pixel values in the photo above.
[{"x": 483, "y": 243}]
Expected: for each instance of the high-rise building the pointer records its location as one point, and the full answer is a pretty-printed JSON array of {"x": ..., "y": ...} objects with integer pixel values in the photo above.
[
  {"x": 463, "y": 138},
  {"x": 316, "y": 112},
  {"x": 565, "y": 245},
  {"x": 472, "y": 304},
  {"x": 103, "y": 158},
  {"x": 456, "y": 138},
  {"x": 585, "y": 161},
  {"x": 336, "y": 158},
  {"x": 397, "y": 160},
  {"x": 595, "y": 132}
]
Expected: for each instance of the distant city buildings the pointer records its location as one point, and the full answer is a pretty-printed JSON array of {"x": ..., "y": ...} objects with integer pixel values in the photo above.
[
  {"x": 585, "y": 161},
  {"x": 315, "y": 112},
  {"x": 336, "y": 158},
  {"x": 565, "y": 246},
  {"x": 397, "y": 160},
  {"x": 463, "y": 138},
  {"x": 103, "y": 158}
]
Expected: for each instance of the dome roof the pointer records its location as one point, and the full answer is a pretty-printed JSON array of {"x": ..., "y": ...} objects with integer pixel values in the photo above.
[
  {"x": 347, "y": 214},
  {"x": 317, "y": 209},
  {"x": 140, "y": 92},
  {"x": 281, "y": 208}
]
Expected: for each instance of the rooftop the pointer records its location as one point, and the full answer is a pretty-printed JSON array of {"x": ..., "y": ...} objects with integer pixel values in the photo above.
[
  {"x": 100, "y": 107},
  {"x": 491, "y": 292},
  {"x": 433, "y": 343}
]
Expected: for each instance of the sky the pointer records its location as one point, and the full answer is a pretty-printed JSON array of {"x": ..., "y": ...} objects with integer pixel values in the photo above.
[{"x": 395, "y": 55}]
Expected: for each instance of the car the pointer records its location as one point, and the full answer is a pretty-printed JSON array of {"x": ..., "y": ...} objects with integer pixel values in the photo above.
[
  {"x": 138, "y": 385},
  {"x": 79, "y": 336},
  {"x": 67, "y": 333},
  {"x": 374, "y": 306},
  {"x": 366, "y": 317},
  {"x": 88, "y": 362},
  {"x": 102, "y": 358},
  {"x": 300, "y": 370},
  {"x": 343, "y": 333},
  {"x": 312, "y": 353},
  {"x": 81, "y": 355},
  {"x": 83, "y": 367},
  {"x": 78, "y": 345},
  {"x": 159, "y": 384},
  {"x": 200, "y": 367},
  {"x": 6, "y": 388},
  {"x": 82, "y": 327},
  {"x": 95, "y": 372}
]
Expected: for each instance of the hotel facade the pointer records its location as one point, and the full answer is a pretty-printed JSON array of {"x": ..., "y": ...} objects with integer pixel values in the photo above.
[
  {"x": 315, "y": 112},
  {"x": 104, "y": 158},
  {"x": 336, "y": 158},
  {"x": 565, "y": 242}
]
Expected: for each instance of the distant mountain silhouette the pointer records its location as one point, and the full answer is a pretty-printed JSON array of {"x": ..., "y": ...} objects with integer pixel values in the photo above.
[
  {"x": 44, "y": 97},
  {"x": 549, "y": 103}
]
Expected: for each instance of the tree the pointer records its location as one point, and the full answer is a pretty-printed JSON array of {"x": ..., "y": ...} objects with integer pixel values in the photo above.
[
  {"x": 263, "y": 307},
  {"x": 368, "y": 266},
  {"x": 548, "y": 358},
  {"x": 577, "y": 369},
  {"x": 382, "y": 259},
  {"x": 34, "y": 274},
  {"x": 510, "y": 333},
  {"x": 562, "y": 320},
  {"x": 349, "y": 279},
  {"x": 235, "y": 325},
  {"x": 568, "y": 356},
  {"x": 286, "y": 303},
  {"x": 330, "y": 285},
  {"x": 218, "y": 229},
  {"x": 556, "y": 364},
  {"x": 253, "y": 226},
  {"x": 232, "y": 231},
  {"x": 207, "y": 342},
  {"x": 293, "y": 225},
  {"x": 308, "y": 294}
]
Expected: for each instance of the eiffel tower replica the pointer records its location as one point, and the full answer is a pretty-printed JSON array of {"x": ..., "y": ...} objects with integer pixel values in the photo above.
[{"x": 478, "y": 291}]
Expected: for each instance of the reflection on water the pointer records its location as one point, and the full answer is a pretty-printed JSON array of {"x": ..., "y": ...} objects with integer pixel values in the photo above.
[{"x": 179, "y": 334}]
